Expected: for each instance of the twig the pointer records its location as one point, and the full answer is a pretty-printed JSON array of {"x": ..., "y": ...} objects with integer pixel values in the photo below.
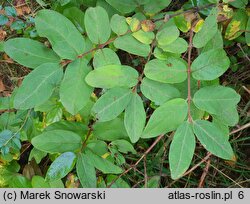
[
  {"x": 145, "y": 172},
  {"x": 189, "y": 74},
  {"x": 204, "y": 174},
  {"x": 245, "y": 54},
  {"x": 240, "y": 129},
  {"x": 138, "y": 161}
]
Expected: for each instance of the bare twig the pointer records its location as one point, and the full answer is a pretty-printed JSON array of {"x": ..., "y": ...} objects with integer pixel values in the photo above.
[
  {"x": 240, "y": 129},
  {"x": 204, "y": 174},
  {"x": 145, "y": 172}
]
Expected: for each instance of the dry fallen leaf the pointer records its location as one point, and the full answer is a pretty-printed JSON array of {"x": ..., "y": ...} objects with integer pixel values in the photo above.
[
  {"x": 3, "y": 35},
  {"x": 23, "y": 10}
]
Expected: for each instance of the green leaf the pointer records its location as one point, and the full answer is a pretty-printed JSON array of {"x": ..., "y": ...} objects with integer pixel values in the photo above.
[
  {"x": 178, "y": 46},
  {"x": 181, "y": 150},
  {"x": 61, "y": 166},
  {"x": 111, "y": 104},
  {"x": 97, "y": 25},
  {"x": 215, "y": 43},
  {"x": 111, "y": 130},
  {"x": 86, "y": 171},
  {"x": 171, "y": 71},
  {"x": 18, "y": 25},
  {"x": 57, "y": 141},
  {"x": 39, "y": 182},
  {"x": 144, "y": 37},
  {"x": 76, "y": 16},
  {"x": 74, "y": 91},
  {"x": 102, "y": 164},
  {"x": 29, "y": 53},
  {"x": 210, "y": 65},
  {"x": 129, "y": 44},
  {"x": 247, "y": 34},
  {"x": 239, "y": 3},
  {"x": 166, "y": 118},
  {"x": 155, "y": 6},
  {"x": 168, "y": 35},
  {"x": 110, "y": 76},
  {"x": 135, "y": 118},
  {"x": 214, "y": 99},
  {"x": 104, "y": 57},
  {"x": 37, "y": 155},
  {"x": 124, "y": 146},
  {"x": 118, "y": 24},
  {"x": 99, "y": 147},
  {"x": 154, "y": 182},
  {"x": 123, "y": 6},
  {"x": 182, "y": 23},
  {"x": 213, "y": 139},
  {"x": 119, "y": 182},
  {"x": 76, "y": 127},
  {"x": 38, "y": 86},
  {"x": 8, "y": 141},
  {"x": 157, "y": 91},
  {"x": 208, "y": 30},
  {"x": 228, "y": 115},
  {"x": 10, "y": 11},
  {"x": 3, "y": 20},
  {"x": 65, "y": 39},
  {"x": 19, "y": 181}
]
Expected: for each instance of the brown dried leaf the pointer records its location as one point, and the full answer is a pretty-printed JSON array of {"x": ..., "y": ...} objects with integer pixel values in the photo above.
[
  {"x": 3, "y": 35},
  {"x": 23, "y": 10}
]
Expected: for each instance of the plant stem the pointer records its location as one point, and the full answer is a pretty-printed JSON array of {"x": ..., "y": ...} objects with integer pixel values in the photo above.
[{"x": 189, "y": 74}]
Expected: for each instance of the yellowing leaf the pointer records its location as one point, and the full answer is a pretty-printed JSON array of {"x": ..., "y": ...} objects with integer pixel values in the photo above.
[
  {"x": 237, "y": 25},
  {"x": 198, "y": 25}
]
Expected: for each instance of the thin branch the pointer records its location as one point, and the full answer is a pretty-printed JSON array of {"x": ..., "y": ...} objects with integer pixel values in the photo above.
[
  {"x": 204, "y": 174},
  {"x": 138, "y": 161},
  {"x": 145, "y": 172},
  {"x": 240, "y": 129},
  {"x": 189, "y": 74}
]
